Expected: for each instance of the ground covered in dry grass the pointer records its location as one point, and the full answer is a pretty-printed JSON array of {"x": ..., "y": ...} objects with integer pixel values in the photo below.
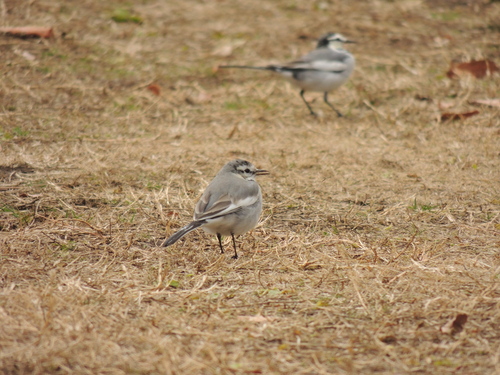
[{"x": 378, "y": 250}]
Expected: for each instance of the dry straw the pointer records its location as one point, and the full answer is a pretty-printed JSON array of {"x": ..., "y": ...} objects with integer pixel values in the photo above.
[{"x": 378, "y": 250}]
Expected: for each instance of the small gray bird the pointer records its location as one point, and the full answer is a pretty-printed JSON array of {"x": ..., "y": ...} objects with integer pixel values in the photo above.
[
  {"x": 230, "y": 205},
  {"x": 323, "y": 70}
]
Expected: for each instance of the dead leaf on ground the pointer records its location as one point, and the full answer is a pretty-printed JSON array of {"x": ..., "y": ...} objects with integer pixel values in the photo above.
[
  {"x": 28, "y": 32},
  {"x": 489, "y": 102},
  {"x": 155, "y": 89},
  {"x": 457, "y": 116},
  {"x": 455, "y": 325},
  {"x": 478, "y": 69}
]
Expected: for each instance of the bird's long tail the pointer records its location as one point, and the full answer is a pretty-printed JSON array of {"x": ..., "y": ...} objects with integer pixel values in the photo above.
[
  {"x": 182, "y": 232},
  {"x": 269, "y": 67}
]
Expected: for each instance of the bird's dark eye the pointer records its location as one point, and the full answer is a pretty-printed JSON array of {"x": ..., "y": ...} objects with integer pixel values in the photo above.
[{"x": 247, "y": 170}]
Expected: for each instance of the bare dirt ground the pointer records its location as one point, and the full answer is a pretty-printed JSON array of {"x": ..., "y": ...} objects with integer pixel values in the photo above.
[{"x": 378, "y": 250}]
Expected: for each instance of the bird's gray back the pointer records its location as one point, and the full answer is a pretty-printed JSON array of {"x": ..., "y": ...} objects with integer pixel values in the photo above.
[
  {"x": 234, "y": 186},
  {"x": 326, "y": 54}
]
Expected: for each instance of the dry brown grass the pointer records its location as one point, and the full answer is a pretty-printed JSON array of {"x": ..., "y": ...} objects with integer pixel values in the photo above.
[{"x": 379, "y": 228}]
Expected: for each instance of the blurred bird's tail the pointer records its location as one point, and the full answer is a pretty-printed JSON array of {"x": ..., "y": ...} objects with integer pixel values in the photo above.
[
  {"x": 269, "y": 67},
  {"x": 182, "y": 232}
]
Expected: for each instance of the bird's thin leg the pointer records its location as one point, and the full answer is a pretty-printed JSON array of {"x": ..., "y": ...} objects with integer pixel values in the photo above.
[
  {"x": 325, "y": 98},
  {"x": 235, "y": 256},
  {"x": 305, "y": 101},
  {"x": 219, "y": 237}
]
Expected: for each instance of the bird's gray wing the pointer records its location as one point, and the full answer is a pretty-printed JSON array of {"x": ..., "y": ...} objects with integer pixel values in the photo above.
[
  {"x": 323, "y": 59},
  {"x": 224, "y": 205}
]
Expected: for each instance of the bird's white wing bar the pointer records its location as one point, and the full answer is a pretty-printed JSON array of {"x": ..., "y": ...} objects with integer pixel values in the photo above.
[
  {"x": 223, "y": 206},
  {"x": 321, "y": 65}
]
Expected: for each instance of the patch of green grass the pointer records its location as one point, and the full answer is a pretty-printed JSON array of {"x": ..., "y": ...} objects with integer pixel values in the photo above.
[
  {"x": 24, "y": 218},
  {"x": 174, "y": 284},
  {"x": 130, "y": 104},
  {"x": 443, "y": 362},
  {"x": 233, "y": 106},
  {"x": 422, "y": 207},
  {"x": 119, "y": 73},
  {"x": 380, "y": 68},
  {"x": 20, "y": 132},
  {"x": 39, "y": 184},
  {"x": 121, "y": 15},
  {"x": 85, "y": 64},
  {"x": 322, "y": 302},
  {"x": 262, "y": 103},
  {"x": 6, "y": 136},
  {"x": 54, "y": 53},
  {"x": 16, "y": 132},
  {"x": 291, "y": 6},
  {"x": 10, "y": 210},
  {"x": 72, "y": 214},
  {"x": 217, "y": 35},
  {"x": 43, "y": 69},
  {"x": 129, "y": 217},
  {"x": 152, "y": 186},
  {"x": 446, "y": 16},
  {"x": 68, "y": 246},
  {"x": 115, "y": 202}
]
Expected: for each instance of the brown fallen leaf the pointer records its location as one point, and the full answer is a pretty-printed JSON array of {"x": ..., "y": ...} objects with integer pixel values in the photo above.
[
  {"x": 478, "y": 69},
  {"x": 28, "y": 31},
  {"x": 489, "y": 102},
  {"x": 155, "y": 89},
  {"x": 172, "y": 214},
  {"x": 455, "y": 325},
  {"x": 457, "y": 116}
]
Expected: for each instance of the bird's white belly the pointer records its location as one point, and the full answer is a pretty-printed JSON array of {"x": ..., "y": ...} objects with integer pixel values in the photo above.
[
  {"x": 230, "y": 224},
  {"x": 318, "y": 81}
]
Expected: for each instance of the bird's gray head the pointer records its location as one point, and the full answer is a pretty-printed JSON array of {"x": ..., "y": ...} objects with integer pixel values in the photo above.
[
  {"x": 333, "y": 41},
  {"x": 244, "y": 169}
]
